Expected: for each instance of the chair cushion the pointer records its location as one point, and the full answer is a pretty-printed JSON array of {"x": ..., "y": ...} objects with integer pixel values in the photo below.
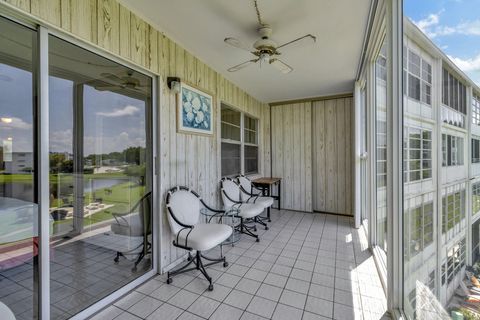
[
  {"x": 264, "y": 201},
  {"x": 6, "y": 313},
  {"x": 186, "y": 208},
  {"x": 204, "y": 236},
  {"x": 133, "y": 227},
  {"x": 249, "y": 210}
]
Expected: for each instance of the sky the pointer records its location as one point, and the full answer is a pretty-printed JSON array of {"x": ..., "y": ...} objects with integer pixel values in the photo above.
[
  {"x": 454, "y": 26},
  {"x": 112, "y": 121}
]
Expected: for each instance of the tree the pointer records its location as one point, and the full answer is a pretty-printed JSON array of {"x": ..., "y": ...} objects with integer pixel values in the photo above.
[{"x": 137, "y": 172}]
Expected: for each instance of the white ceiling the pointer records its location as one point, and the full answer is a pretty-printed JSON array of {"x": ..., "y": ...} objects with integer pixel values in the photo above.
[{"x": 327, "y": 67}]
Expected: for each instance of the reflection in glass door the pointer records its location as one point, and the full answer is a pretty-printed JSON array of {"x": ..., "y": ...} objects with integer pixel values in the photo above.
[
  {"x": 100, "y": 177},
  {"x": 381, "y": 147},
  {"x": 18, "y": 203},
  {"x": 363, "y": 159}
]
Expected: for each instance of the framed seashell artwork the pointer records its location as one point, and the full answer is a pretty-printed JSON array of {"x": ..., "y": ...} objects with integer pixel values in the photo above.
[{"x": 194, "y": 111}]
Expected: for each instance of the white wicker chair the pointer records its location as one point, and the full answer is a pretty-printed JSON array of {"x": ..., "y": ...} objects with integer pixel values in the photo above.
[
  {"x": 250, "y": 194},
  {"x": 183, "y": 207},
  {"x": 248, "y": 212}
]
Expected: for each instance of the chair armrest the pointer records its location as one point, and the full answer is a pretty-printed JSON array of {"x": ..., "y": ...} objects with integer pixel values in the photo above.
[
  {"x": 210, "y": 208},
  {"x": 219, "y": 213},
  {"x": 121, "y": 216},
  {"x": 248, "y": 193},
  {"x": 257, "y": 189}
]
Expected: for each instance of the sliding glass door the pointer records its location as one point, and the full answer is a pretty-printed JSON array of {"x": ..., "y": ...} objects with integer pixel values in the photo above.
[
  {"x": 100, "y": 177},
  {"x": 18, "y": 203},
  {"x": 381, "y": 147}
]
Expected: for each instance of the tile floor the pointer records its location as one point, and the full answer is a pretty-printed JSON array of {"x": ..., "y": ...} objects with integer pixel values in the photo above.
[
  {"x": 81, "y": 274},
  {"x": 306, "y": 266}
]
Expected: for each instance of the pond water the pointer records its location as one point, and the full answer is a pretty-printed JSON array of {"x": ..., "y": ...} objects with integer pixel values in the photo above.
[{"x": 97, "y": 184}]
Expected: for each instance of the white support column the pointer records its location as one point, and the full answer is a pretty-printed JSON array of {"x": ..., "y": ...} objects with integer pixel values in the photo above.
[
  {"x": 437, "y": 103},
  {"x": 468, "y": 244},
  {"x": 394, "y": 19},
  {"x": 43, "y": 175},
  {"x": 357, "y": 157}
]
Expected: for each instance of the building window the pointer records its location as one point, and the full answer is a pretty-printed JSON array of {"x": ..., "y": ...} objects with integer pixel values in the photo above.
[
  {"x": 251, "y": 145},
  {"x": 420, "y": 228},
  {"x": 417, "y": 154},
  {"x": 455, "y": 261},
  {"x": 239, "y": 134},
  {"x": 452, "y": 150},
  {"x": 418, "y": 77},
  {"x": 475, "y": 150},
  {"x": 453, "y": 209},
  {"x": 381, "y": 154},
  {"x": 476, "y": 110},
  {"x": 454, "y": 93},
  {"x": 454, "y": 99},
  {"x": 475, "y": 198},
  {"x": 476, "y": 243}
]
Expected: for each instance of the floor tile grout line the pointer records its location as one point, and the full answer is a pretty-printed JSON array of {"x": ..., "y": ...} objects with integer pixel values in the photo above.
[
  {"x": 291, "y": 273},
  {"x": 231, "y": 288},
  {"x": 335, "y": 268},
  {"x": 298, "y": 231},
  {"x": 262, "y": 282},
  {"x": 316, "y": 257}
]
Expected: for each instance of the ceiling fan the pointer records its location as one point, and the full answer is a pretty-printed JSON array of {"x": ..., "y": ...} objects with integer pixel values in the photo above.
[
  {"x": 266, "y": 50},
  {"x": 126, "y": 81}
]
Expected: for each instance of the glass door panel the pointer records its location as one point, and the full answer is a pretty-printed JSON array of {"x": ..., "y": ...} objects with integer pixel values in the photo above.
[
  {"x": 381, "y": 147},
  {"x": 100, "y": 179},
  {"x": 18, "y": 203},
  {"x": 363, "y": 159}
]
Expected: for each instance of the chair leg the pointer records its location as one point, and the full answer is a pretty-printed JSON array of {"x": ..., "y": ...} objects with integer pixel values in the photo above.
[
  {"x": 142, "y": 255},
  {"x": 215, "y": 261},
  {"x": 199, "y": 265},
  {"x": 245, "y": 230},
  {"x": 117, "y": 257},
  {"x": 268, "y": 214},
  {"x": 139, "y": 259},
  {"x": 260, "y": 221}
]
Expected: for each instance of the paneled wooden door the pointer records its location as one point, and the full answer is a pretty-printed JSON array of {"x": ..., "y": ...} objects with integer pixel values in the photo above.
[{"x": 332, "y": 149}]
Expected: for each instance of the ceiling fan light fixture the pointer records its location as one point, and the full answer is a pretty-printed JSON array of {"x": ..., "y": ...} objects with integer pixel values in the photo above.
[{"x": 265, "y": 58}]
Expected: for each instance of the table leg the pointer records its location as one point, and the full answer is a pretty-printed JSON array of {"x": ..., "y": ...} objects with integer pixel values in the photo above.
[{"x": 279, "y": 193}]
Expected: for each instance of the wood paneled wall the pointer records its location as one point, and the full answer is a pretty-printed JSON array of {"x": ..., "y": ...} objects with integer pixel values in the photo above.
[
  {"x": 333, "y": 155},
  {"x": 292, "y": 154},
  {"x": 312, "y": 150},
  {"x": 184, "y": 159}
]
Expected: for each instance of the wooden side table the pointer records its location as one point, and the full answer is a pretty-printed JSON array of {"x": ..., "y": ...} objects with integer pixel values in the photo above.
[{"x": 265, "y": 184}]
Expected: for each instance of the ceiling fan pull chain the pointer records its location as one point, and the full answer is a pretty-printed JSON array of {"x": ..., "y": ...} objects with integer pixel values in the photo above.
[{"x": 259, "y": 17}]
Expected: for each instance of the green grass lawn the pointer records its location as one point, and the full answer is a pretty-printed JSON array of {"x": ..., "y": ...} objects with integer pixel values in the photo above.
[
  {"x": 65, "y": 177},
  {"x": 123, "y": 195}
]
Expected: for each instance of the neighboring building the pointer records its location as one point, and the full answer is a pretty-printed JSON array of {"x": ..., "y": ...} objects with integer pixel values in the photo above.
[
  {"x": 441, "y": 169},
  {"x": 22, "y": 162}
]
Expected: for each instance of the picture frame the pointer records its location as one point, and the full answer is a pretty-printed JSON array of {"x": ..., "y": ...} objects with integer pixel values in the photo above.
[{"x": 195, "y": 113}]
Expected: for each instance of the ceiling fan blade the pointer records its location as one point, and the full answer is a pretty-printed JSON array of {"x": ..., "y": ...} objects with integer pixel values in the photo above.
[
  {"x": 302, "y": 41},
  {"x": 281, "y": 66},
  {"x": 242, "y": 65},
  {"x": 234, "y": 42}
]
